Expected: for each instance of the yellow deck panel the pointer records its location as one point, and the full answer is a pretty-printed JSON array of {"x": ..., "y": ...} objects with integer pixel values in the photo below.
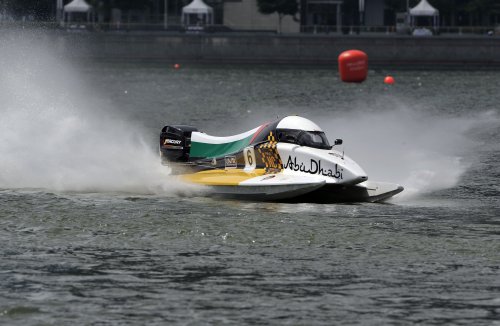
[{"x": 231, "y": 177}]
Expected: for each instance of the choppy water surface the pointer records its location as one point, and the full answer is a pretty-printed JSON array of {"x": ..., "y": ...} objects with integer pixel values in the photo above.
[{"x": 92, "y": 230}]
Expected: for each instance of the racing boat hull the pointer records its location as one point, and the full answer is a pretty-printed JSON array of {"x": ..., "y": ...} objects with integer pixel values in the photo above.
[
  {"x": 373, "y": 192},
  {"x": 312, "y": 192},
  {"x": 255, "y": 185}
]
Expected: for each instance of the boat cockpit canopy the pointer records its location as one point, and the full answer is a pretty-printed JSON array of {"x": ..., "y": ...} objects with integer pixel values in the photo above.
[{"x": 314, "y": 139}]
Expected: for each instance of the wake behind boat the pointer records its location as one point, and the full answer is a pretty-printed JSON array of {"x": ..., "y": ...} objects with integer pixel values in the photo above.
[{"x": 289, "y": 159}]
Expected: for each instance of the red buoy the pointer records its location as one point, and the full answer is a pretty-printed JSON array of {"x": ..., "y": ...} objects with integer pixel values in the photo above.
[
  {"x": 353, "y": 66},
  {"x": 389, "y": 80},
  {"x": 177, "y": 66}
]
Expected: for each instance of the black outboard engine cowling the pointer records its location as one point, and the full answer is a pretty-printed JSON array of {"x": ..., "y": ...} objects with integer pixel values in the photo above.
[{"x": 175, "y": 142}]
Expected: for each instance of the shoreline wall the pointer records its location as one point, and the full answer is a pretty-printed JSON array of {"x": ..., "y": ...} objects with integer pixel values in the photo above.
[{"x": 383, "y": 50}]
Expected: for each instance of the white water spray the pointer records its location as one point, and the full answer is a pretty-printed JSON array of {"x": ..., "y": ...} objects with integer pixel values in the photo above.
[
  {"x": 414, "y": 148},
  {"x": 56, "y": 134}
]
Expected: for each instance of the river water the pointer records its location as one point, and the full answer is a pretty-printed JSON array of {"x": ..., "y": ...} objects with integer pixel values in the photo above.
[{"x": 93, "y": 231}]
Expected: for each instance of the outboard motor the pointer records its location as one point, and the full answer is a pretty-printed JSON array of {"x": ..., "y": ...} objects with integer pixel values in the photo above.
[{"x": 175, "y": 142}]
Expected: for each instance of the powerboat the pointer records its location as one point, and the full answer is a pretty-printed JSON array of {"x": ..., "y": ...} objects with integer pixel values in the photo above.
[{"x": 289, "y": 159}]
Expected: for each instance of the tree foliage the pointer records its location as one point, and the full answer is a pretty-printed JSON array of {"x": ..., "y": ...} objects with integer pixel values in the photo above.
[{"x": 280, "y": 7}]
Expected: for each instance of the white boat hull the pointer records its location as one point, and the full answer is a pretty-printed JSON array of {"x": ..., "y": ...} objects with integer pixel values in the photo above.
[
  {"x": 367, "y": 191},
  {"x": 315, "y": 192}
]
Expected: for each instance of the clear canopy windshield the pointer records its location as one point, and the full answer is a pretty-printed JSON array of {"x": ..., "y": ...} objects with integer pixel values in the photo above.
[{"x": 314, "y": 139}]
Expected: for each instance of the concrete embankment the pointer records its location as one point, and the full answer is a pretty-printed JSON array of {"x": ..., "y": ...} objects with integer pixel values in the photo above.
[{"x": 437, "y": 51}]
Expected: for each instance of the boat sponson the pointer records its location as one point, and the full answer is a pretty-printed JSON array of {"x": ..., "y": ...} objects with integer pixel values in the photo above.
[{"x": 363, "y": 192}]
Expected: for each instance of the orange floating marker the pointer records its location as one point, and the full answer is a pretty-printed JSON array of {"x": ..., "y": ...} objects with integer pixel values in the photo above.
[
  {"x": 389, "y": 80},
  {"x": 177, "y": 66},
  {"x": 353, "y": 66}
]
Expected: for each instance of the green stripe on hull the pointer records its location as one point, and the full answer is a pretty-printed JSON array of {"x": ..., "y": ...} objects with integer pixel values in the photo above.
[{"x": 217, "y": 150}]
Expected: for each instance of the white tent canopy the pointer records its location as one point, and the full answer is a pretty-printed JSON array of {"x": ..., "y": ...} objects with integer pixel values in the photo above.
[
  {"x": 424, "y": 9},
  {"x": 197, "y": 13},
  {"x": 76, "y": 7}
]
